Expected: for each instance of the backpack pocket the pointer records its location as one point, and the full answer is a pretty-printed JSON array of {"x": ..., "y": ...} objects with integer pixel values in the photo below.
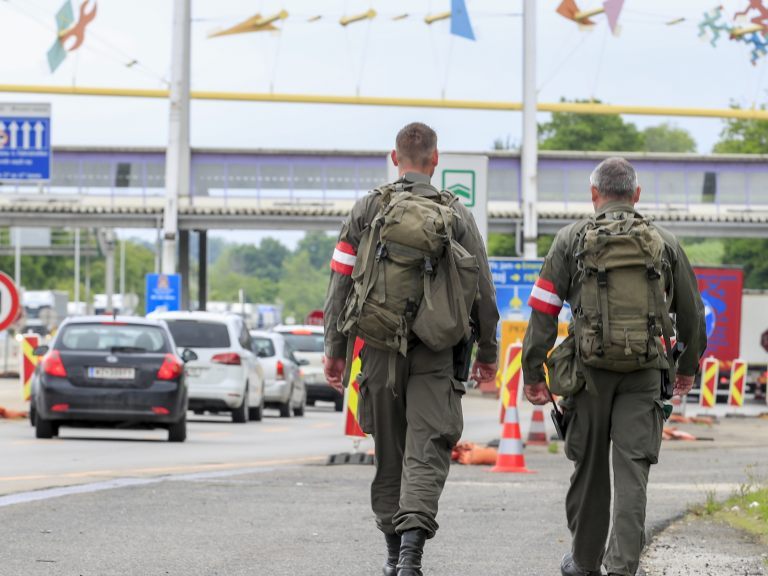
[
  {"x": 562, "y": 368},
  {"x": 443, "y": 325},
  {"x": 380, "y": 327}
]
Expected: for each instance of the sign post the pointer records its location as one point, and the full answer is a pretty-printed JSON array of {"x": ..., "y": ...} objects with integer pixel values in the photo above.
[
  {"x": 25, "y": 142},
  {"x": 163, "y": 293},
  {"x": 466, "y": 176},
  {"x": 9, "y": 301}
]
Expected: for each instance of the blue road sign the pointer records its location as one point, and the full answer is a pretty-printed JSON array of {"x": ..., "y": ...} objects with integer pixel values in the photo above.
[
  {"x": 514, "y": 279},
  {"x": 25, "y": 142},
  {"x": 163, "y": 293}
]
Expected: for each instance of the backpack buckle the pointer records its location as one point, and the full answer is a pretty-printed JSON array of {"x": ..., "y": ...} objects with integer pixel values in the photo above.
[
  {"x": 428, "y": 267},
  {"x": 602, "y": 277},
  {"x": 381, "y": 252},
  {"x": 653, "y": 274}
]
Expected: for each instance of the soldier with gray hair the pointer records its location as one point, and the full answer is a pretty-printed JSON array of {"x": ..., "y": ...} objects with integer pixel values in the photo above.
[{"x": 623, "y": 277}]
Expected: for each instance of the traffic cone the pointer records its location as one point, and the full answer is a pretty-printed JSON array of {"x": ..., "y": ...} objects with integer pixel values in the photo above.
[
  {"x": 510, "y": 458},
  {"x": 537, "y": 435}
]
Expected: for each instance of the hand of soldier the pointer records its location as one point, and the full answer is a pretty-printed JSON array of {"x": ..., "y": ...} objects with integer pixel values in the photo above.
[
  {"x": 683, "y": 385},
  {"x": 483, "y": 373},
  {"x": 537, "y": 394},
  {"x": 334, "y": 372}
]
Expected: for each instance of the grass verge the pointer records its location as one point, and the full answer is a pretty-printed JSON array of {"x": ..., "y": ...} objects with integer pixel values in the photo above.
[{"x": 746, "y": 509}]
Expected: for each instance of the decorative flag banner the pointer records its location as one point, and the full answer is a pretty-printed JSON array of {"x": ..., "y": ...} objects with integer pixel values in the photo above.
[
  {"x": 253, "y": 24},
  {"x": 460, "y": 23},
  {"x": 68, "y": 29},
  {"x": 612, "y": 12}
]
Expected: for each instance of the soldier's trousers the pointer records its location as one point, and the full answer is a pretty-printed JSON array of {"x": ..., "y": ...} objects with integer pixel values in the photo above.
[
  {"x": 414, "y": 427},
  {"x": 623, "y": 421}
]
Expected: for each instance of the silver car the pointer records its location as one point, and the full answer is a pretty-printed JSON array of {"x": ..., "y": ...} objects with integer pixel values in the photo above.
[{"x": 283, "y": 381}]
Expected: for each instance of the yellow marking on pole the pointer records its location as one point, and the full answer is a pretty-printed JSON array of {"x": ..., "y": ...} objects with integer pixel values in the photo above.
[
  {"x": 511, "y": 368},
  {"x": 709, "y": 400},
  {"x": 736, "y": 396},
  {"x": 572, "y": 107},
  {"x": 710, "y": 372},
  {"x": 738, "y": 374}
]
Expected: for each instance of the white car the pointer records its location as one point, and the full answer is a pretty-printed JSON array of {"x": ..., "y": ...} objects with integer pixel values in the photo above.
[
  {"x": 227, "y": 376},
  {"x": 307, "y": 343},
  {"x": 283, "y": 381}
]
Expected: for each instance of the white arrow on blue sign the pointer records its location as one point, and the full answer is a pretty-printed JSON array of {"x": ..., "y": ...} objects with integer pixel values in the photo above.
[{"x": 25, "y": 142}]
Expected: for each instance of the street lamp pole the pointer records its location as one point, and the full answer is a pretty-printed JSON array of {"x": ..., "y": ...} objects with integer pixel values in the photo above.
[
  {"x": 177, "y": 159},
  {"x": 530, "y": 150}
]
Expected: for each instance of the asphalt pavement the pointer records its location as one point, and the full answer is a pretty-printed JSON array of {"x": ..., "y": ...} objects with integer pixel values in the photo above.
[{"x": 220, "y": 513}]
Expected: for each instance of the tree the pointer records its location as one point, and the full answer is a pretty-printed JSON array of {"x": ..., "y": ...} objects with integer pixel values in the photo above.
[
  {"x": 589, "y": 132},
  {"x": 502, "y": 244},
  {"x": 319, "y": 246},
  {"x": 667, "y": 138},
  {"x": 303, "y": 287},
  {"x": 741, "y": 136},
  {"x": 750, "y": 254}
]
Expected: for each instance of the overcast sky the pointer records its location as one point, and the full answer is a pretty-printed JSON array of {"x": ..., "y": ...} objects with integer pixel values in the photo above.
[{"x": 650, "y": 63}]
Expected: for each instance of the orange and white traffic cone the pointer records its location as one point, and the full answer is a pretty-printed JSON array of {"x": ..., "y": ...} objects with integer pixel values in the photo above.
[
  {"x": 537, "y": 434},
  {"x": 510, "y": 458}
]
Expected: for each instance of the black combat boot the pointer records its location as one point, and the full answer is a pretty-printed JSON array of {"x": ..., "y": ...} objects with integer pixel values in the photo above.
[
  {"x": 393, "y": 554},
  {"x": 568, "y": 567},
  {"x": 411, "y": 549}
]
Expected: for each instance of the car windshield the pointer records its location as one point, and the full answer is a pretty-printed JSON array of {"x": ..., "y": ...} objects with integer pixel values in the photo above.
[
  {"x": 195, "y": 334},
  {"x": 263, "y": 347},
  {"x": 304, "y": 342},
  {"x": 113, "y": 336}
]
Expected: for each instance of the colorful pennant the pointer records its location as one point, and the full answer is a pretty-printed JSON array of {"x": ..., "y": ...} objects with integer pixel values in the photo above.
[{"x": 69, "y": 31}]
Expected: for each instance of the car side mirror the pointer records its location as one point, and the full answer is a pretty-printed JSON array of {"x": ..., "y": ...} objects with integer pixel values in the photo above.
[
  {"x": 40, "y": 350},
  {"x": 188, "y": 355}
]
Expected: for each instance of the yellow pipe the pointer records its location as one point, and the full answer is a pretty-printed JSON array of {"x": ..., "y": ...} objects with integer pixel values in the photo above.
[
  {"x": 573, "y": 107},
  {"x": 739, "y": 32}
]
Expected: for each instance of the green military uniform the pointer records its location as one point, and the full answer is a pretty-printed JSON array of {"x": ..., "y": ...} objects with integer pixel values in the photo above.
[
  {"x": 415, "y": 425},
  {"x": 622, "y": 410}
]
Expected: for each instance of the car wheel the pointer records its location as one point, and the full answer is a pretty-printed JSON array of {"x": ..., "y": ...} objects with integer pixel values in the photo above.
[
  {"x": 257, "y": 414},
  {"x": 339, "y": 404},
  {"x": 45, "y": 428},
  {"x": 32, "y": 413},
  {"x": 299, "y": 410},
  {"x": 177, "y": 432},
  {"x": 240, "y": 414},
  {"x": 285, "y": 408}
]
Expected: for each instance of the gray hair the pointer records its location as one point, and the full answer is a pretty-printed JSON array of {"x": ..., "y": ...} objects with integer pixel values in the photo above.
[{"x": 614, "y": 178}]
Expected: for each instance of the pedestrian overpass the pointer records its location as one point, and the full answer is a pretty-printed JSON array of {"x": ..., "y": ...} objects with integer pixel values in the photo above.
[{"x": 692, "y": 195}]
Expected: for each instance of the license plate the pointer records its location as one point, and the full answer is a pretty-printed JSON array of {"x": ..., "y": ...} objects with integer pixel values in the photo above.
[
  {"x": 105, "y": 373},
  {"x": 194, "y": 372}
]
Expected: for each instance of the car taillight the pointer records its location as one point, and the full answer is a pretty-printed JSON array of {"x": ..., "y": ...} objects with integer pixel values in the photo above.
[
  {"x": 280, "y": 370},
  {"x": 160, "y": 410},
  {"x": 171, "y": 368},
  {"x": 60, "y": 408},
  {"x": 53, "y": 366},
  {"x": 230, "y": 358}
]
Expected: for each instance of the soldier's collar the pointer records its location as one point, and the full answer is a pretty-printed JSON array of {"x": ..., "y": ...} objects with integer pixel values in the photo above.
[
  {"x": 421, "y": 182},
  {"x": 615, "y": 206}
]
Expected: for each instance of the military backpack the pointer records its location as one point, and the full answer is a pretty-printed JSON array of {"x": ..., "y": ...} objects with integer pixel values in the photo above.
[
  {"x": 411, "y": 275},
  {"x": 623, "y": 311}
]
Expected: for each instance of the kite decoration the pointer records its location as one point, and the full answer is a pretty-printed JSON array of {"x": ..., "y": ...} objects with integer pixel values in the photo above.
[
  {"x": 751, "y": 31},
  {"x": 713, "y": 25},
  {"x": 255, "y": 23},
  {"x": 611, "y": 8},
  {"x": 347, "y": 20},
  {"x": 70, "y": 34}
]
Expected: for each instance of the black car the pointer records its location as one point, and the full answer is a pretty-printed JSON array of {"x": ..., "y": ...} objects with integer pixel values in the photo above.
[{"x": 103, "y": 371}]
